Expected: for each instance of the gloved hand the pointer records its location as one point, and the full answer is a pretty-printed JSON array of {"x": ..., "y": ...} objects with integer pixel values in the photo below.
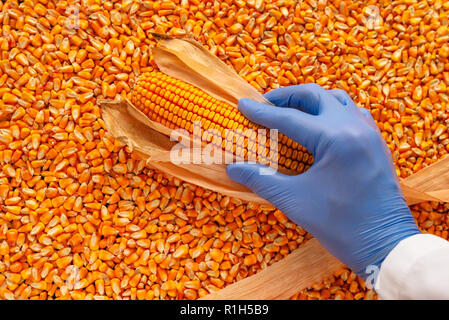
[{"x": 350, "y": 198}]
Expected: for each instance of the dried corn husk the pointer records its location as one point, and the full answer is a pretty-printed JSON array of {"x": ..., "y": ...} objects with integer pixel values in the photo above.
[
  {"x": 189, "y": 61},
  {"x": 428, "y": 184}
]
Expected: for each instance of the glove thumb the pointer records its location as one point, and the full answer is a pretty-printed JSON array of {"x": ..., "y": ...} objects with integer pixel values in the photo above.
[{"x": 266, "y": 182}]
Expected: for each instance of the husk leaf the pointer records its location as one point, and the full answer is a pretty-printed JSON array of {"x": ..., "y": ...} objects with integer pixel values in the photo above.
[
  {"x": 428, "y": 184},
  {"x": 188, "y": 60}
]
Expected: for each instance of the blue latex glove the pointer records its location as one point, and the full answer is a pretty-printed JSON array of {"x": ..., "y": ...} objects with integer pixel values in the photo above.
[{"x": 350, "y": 199}]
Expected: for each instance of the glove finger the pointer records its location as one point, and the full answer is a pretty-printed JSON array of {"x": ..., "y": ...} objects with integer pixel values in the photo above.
[
  {"x": 297, "y": 125},
  {"x": 346, "y": 100},
  {"x": 366, "y": 113},
  {"x": 340, "y": 95},
  {"x": 343, "y": 97},
  {"x": 305, "y": 97},
  {"x": 277, "y": 188},
  {"x": 266, "y": 182},
  {"x": 368, "y": 117}
]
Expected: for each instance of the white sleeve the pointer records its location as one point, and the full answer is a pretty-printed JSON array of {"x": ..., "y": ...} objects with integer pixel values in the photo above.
[{"x": 417, "y": 268}]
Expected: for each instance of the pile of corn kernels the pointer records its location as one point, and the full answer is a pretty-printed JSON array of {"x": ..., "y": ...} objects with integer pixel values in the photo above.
[{"x": 83, "y": 218}]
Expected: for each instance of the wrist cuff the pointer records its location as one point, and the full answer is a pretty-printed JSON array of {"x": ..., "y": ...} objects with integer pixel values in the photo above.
[{"x": 409, "y": 268}]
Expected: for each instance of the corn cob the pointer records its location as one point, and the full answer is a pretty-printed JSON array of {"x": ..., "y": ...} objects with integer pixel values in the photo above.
[{"x": 177, "y": 104}]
